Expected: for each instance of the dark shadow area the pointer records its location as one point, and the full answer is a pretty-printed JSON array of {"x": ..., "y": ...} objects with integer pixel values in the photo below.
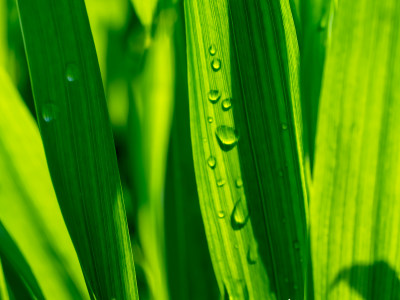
[{"x": 377, "y": 281}]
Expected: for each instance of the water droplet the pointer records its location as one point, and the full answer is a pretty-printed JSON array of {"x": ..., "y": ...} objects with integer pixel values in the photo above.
[
  {"x": 49, "y": 112},
  {"x": 221, "y": 214},
  {"x": 284, "y": 126},
  {"x": 72, "y": 72},
  {"x": 227, "y": 137},
  {"x": 221, "y": 183},
  {"x": 216, "y": 64},
  {"x": 212, "y": 50},
  {"x": 226, "y": 104},
  {"x": 240, "y": 215},
  {"x": 295, "y": 287},
  {"x": 252, "y": 254},
  {"x": 239, "y": 183},
  {"x": 210, "y": 119},
  {"x": 296, "y": 245},
  {"x": 214, "y": 96},
  {"x": 211, "y": 162}
]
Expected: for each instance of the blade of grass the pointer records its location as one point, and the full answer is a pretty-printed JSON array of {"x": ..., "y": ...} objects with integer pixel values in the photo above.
[
  {"x": 154, "y": 93},
  {"x": 145, "y": 10},
  {"x": 356, "y": 197},
  {"x": 317, "y": 16},
  {"x": 186, "y": 244},
  {"x": 10, "y": 254},
  {"x": 3, "y": 284},
  {"x": 265, "y": 102},
  {"x": 78, "y": 142},
  {"x": 28, "y": 206},
  {"x": 268, "y": 113}
]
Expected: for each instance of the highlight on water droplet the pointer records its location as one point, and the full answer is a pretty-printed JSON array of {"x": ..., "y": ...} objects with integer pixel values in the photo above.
[
  {"x": 226, "y": 104},
  {"x": 210, "y": 119},
  {"x": 240, "y": 215},
  {"x": 214, "y": 96},
  {"x": 216, "y": 64},
  {"x": 239, "y": 183},
  {"x": 221, "y": 214},
  {"x": 227, "y": 137},
  {"x": 212, "y": 50},
  {"x": 252, "y": 254},
  {"x": 49, "y": 112},
  {"x": 212, "y": 162},
  {"x": 284, "y": 126},
  {"x": 72, "y": 72},
  {"x": 221, "y": 182}
]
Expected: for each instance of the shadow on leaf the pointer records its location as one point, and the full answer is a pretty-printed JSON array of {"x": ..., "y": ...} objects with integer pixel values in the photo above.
[{"x": 376, "y": 281}]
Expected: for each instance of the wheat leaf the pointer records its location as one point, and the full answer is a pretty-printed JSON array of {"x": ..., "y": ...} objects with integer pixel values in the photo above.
[
  {"x": 78, "y": 142},
  {"x": 356, "y": 197}
]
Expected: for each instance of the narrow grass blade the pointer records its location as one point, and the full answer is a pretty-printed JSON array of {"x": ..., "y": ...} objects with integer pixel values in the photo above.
[
  {"x": 356, "y": 197},
  {"x": 186, "y": 244},
  {"x": 154, "y": 96},
  {"x": 3, "y": 32},
  {"x": 260, "y": 259},
  {"x": 317, "y": 16},
  {"x": 78, "y": 142},
  {"x": 268, "y": 114},
  {"x": 28, "y": 206},
  {"x": 10, "y": 254},
  {"x": 3, "y": 284}
]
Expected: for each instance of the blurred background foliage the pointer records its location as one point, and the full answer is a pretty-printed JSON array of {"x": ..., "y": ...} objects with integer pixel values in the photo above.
[{"x": 149, "y": 113}]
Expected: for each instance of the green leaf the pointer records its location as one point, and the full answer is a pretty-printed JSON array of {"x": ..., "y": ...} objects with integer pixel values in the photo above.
[
  {"x": 355, "y": 194},
  {"x": 317, "y": 16},
  {"x": 186, "y": 244},
  {"x": 153, "y": 91},
  {"x": 261, "y": 256},
  {"x": 78, "y": 142},
  {"x": 10, "y": 253},
  {"x": 28, "y": 206},
  {"x": 3, "y": 284}
]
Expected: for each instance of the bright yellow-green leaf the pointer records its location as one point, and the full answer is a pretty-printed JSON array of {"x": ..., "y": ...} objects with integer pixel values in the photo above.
[
  {"x": 356, "y": 189},
  {"x": 28, "y": 206},
  {"x": 154, "y": 98}
]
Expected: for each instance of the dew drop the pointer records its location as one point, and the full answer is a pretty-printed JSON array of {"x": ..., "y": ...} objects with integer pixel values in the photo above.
[
  {"x": 49, "y": 112},
  {"x": 216, "y": 64},
  {"x": 221, "y": 182},
  {"x": 210, "y": 119},
  {"x": 221, "y": 214},
  {"x": 284, "y": 126},
  {"x": 214, "y": 96},
  {"x": 239, "y": 183},
  {"x": 252, "y": 254},
  {"x": 295, "y": 287},
  {"x": 226, "y": 104},
  {"x": 72, "y": 72},
  {"x": 212, "y": 50},
  {"x": 240, "y": 215},
  {"x": 211, "y": 162},
  {"x": 227, "y": 137}
]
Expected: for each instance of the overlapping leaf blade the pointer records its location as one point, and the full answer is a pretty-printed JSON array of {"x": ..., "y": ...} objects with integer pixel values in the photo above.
[
  {"x": 78, "y": 141},
  {"x": 356, "y": 197},
  {"x": 261, "y": 258},
  {"x": 28, "y": 206}
]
